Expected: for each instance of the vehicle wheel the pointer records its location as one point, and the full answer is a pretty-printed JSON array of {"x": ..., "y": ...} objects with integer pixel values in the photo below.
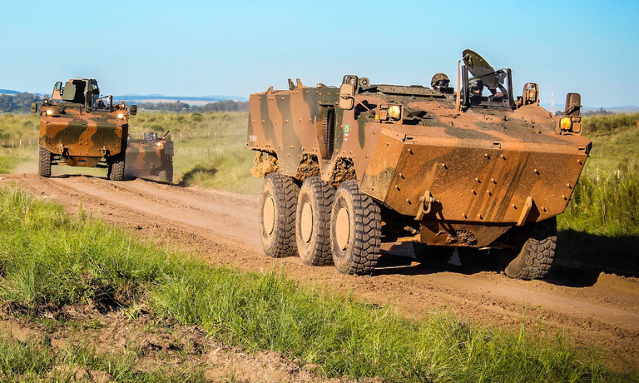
[
  {"x": 116, "y": 167},
  {"x": 356, "y": 230},
  {"x": 169, "y": 171},
  {"x": 313, "y": 222},
  {"x": 278, "y": 204},
  {"x": 536, "y": 254},
  {"x": 44, "y": 163}
]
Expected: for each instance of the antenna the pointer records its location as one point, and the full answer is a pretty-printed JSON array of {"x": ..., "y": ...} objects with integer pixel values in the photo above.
[{"x": 552, "y": 101}]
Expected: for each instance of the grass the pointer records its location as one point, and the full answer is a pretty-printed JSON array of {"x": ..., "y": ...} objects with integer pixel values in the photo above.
[
  {"x": 601, "y": 222},
  {"x": 38, "y": 361},
  {"x": 48, "y": 259}
]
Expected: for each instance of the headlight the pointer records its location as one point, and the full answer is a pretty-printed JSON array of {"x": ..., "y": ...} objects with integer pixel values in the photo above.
[
  {"x": 49, "y": 112},
  {"x": 565, "y": 123},
  {"x": 389, "y": 112},
  {"x": 120, "y": 115},
  {"x": 395, "y": 112},
  {"x": 160, "y": 144}
]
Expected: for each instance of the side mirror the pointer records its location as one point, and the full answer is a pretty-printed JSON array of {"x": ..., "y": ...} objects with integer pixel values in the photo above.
[
  {"x": 34, "y": 107},
  {"x": 346, "y": 96},
  {"x": 573, "y": 104},
  {"x": 133, "y": 110}
]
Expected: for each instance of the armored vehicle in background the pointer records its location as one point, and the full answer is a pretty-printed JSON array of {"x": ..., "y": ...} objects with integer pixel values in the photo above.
[
  {"x": 475, "y": 166},
  {"x": 150, "y": 158},
  {"x": 80, "y": 128}
]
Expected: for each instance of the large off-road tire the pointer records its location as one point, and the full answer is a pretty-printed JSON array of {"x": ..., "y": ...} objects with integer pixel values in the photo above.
[
  {"x": 278, "y": 205},
  {"x": 116, "y": 167},
  {"x": 356, "y": 230},
  {"x": 169, "y": 171},
  {"x": 313, "y": 222},
  {"x": 537, "y": 252},
  {"x": 44, "y": 163}
]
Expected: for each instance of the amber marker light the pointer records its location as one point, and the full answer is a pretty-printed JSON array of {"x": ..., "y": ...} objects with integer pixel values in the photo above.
[
  {"x": 565, "y": 123},
  {"x": 395, "y": 112}
]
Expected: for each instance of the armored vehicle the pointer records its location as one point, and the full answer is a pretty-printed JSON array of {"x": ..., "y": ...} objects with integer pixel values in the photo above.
[
  {"x": 150, "y": 157},
  {"x": 472, "y": 167},
  {"x": 80, "y": 128}
]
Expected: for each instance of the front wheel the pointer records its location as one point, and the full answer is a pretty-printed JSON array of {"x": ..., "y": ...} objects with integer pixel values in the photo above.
[
  {"x": 169, "y": 171},
  {"x": 356, "y": 230},
  {"x": 278, "y": 203},
  {"x": 44, "y": 163},
  {"x": 116, "y": 167},
  {"x": 536, "y": 254}
]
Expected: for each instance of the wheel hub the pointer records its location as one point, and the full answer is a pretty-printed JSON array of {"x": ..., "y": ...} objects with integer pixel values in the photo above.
[
  {"x": 306, "y": 224},
  {"x": 269, "y": 215},
  {"x": 342, "y": 228}
]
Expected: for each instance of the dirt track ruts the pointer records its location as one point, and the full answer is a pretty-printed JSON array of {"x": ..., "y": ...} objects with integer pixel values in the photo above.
[{"x": 222, "y": 228}]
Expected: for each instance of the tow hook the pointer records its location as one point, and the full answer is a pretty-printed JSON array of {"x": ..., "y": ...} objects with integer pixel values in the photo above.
[{"x": 425, "y": 206}]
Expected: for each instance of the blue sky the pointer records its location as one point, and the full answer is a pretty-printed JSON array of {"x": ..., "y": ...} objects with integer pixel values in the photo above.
[{"x": 197, "y": 48}]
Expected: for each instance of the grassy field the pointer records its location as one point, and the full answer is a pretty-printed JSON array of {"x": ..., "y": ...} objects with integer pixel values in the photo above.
[{"x": 49, "y": 261}]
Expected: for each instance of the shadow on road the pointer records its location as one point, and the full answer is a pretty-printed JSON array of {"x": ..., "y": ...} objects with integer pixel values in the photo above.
[{"x": 580, "y": 259}]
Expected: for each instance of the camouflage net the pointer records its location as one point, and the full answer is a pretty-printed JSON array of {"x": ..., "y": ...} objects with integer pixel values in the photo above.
[{"x": 265, "y": 163}]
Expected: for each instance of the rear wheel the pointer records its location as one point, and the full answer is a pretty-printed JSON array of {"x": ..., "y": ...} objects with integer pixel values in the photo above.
[
  {"x": 278, "y": 205},
  {"x": 44, "y": 163},
  {"x": 356, "y": 230},
  {"x": 535, "y": 257},
  {"x": 116, "y": 167},
  {"x": 313, "y": 222}
]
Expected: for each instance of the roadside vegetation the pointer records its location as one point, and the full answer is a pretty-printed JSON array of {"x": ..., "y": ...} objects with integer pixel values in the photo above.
[
  {"x": 50, "y": 261},
  {"x": 600, "y": 227}
]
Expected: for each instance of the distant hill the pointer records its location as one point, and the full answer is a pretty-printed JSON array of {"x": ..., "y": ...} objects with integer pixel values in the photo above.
[
  {"x": 7, "y": 91},
  {"x": 614, "y": 109},
  {"x": 155, "y": 97}
]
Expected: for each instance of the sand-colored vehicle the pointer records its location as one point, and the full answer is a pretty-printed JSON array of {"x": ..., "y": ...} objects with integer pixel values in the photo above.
[
  {"x": 473, "y": 166},
  {"x": 80, "y": 128},
  {"x": 150, "y": 158}
]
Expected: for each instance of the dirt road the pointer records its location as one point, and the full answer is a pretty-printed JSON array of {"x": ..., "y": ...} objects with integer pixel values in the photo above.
[{"x": 222, "y": 228}]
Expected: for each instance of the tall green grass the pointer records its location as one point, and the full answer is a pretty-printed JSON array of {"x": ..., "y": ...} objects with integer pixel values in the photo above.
[
  {"x": 49, "y": 259},
  {"x": 18, "y": 141}
]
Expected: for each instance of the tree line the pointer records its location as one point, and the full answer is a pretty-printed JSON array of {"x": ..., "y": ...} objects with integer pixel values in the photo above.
[
  {"x": 179, "y": 106},
  {"x": 17, "y": 103}
]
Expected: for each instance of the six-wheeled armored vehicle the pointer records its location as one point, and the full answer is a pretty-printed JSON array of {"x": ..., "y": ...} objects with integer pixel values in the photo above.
[
  {"x": 80, "y": 128},
  {"x": 150, "y": 158},
  {"x": 471, "y": 166}
]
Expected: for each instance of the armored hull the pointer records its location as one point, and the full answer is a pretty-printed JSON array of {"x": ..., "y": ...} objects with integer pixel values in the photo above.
[{"x": 78, "y": 128}]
